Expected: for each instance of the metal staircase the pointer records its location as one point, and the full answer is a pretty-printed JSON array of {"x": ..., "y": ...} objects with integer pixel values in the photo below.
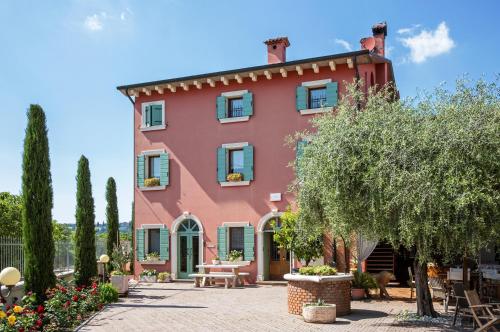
[{"x": 381, "y": 259}]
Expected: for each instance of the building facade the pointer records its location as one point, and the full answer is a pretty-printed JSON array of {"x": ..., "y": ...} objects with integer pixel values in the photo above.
[{"x": 212, "y": 169}]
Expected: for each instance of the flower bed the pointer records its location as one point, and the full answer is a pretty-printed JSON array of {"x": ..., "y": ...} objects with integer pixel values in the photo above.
[{"x": 66, "y": 306}]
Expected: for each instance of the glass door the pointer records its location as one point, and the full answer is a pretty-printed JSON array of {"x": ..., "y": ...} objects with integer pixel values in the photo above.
[{"x": 188, "y": 248}]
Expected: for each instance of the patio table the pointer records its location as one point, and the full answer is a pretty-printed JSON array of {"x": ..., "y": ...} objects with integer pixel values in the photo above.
[{"x": 235, "y": 269}]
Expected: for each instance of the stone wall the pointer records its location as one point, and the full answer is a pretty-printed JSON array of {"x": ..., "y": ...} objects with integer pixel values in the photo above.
[{"x": 333, "y": 292}]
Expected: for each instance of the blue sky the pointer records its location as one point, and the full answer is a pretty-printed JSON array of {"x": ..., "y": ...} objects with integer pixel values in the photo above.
[{"x": 70, "y": 56}]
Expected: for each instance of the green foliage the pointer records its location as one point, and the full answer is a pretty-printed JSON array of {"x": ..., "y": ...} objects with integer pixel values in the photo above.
[
  {"x": 322, "y": 270},
  {"x": 148, "y": 273},
  {"x": 162, "y": 276},
  {"x": 37, "y": 206},
  {"x": 119, "y": 258},
  {"x": 235, "y": 255},
  {"x": 151, "y": 182},
  {"x": 85, "y": 252},
  {"x": 113, "y": 238},
  {"x": 60, "y": 232},
  {"x": 364, "y": 280},
  {"x": 108, "y": 293},
  {"x": 319, "y": 303},
  {"x": 153, "y": 256},
  {"x": 305, "y": 242},
  {"x": 11, "y": 211}
]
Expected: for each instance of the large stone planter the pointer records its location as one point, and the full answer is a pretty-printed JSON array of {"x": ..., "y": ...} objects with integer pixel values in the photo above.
[
  {"x": 319, "y": 314},
  {"x": 309, "y": 289},
  {"x": 151, "y": 279},
  {"x": 120, "y": 283}
]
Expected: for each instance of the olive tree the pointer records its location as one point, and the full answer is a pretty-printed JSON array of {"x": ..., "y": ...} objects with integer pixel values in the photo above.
[{"x": 423, "y": 173}]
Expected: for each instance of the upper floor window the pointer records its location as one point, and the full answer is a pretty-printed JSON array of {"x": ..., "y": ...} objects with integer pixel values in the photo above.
[
  {"x": 236, "y": 161},
  {"x": 153, "y": 116},
  {"x": 317, "y": 97},
  {"x": 235, "y": 107},
  {"x": 154, "y": 167}
]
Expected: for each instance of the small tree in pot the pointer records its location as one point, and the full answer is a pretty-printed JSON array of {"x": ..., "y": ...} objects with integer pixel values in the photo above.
[
  {"x": 119, "y": 276},
  {"x": 361, "y": 284}
]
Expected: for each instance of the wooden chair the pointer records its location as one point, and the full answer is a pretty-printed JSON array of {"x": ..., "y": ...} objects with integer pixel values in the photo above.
[
  {"x": 411, "y": 281},
  {"x": 461, "y": 305},
  {"x": 440, "y": 291},
  {"x": 481, "y": 312}
]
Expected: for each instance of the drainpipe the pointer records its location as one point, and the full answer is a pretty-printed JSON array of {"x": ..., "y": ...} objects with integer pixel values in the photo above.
[{"x": 133, "y": 176}]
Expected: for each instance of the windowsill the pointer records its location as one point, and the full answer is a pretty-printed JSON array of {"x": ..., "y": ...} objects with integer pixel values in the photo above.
[
  {"x": 234, "y": 184},
  {"x": 152, "y": 188},
  {"x": 152, "y": 128},
  {"x": 152, "y": 262},
  {"x": 316, "y": 110},
  {"x": 235, "y": 119}
]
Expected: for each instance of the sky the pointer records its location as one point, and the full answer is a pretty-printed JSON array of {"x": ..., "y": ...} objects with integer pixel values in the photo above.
[{"x": 69, "y": 56}]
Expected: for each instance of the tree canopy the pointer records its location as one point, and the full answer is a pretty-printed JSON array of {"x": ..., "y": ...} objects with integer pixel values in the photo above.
[
  {"x": 11, "y": 211},
  {"x": 423, "y": 173}
]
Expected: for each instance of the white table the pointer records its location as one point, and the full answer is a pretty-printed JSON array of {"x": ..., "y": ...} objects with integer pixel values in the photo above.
[{"x": 235, "y": 269}]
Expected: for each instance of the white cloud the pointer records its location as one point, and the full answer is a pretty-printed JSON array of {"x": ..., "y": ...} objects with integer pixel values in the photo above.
[
  {"x": 404, "y": 31},
  {"x": 428, "y": 44},
  {"x": 122, "y": 16},
  {"x": 345, "y": 44},
  {"x": 94, "y": 22}
]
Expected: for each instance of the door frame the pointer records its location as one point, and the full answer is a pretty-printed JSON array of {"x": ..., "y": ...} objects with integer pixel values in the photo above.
[
  {"x": 260, "y": 242},
  {"x": 174, "y": 247}
]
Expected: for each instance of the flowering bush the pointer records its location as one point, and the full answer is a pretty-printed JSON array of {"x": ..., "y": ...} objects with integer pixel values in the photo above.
[{"x": 65, "y": 308}]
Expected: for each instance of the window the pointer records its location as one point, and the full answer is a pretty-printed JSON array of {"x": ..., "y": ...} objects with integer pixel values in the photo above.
[
  {"x": 153, "y": 116},
  {"x": 154, "y": 167},
  {"x": 235, "y": 108},
  {"x": 317, "y": 97},
  {"x": 236, "y": 161},
  {"x": 236, "y": 239},
  {"x": 153, "y": 241}
]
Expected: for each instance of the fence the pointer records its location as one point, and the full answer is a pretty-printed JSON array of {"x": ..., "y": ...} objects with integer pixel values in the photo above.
[{"x": 11, "y": 254}]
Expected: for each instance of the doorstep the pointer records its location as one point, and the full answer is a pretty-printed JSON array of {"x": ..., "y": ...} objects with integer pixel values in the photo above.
[{"x": 183, "y": 280}]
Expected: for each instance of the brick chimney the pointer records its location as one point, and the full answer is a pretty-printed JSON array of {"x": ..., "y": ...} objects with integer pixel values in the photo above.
[
  {"x": 276, "y": 49},
  {"x": 376, "y": 44}
]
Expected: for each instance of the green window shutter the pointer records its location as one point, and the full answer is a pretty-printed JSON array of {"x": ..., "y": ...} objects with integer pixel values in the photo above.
[
  {"x": 221, "y": 164},
  {"x": 331, "y": 94},
  {"x": 247, "y": 104},
  {"x": 140, "y": 171},
  {"x": 222, "y": 242},
  {"x": 164, "y": 245},
  {"x": 248, "y": 163},
  {"x": 147, "y": 116},
  {"x": 139, "y": 244},
  {"x": 300, "y": 149},
  {"x": 249, "y": 238},
  {"x": 221, "y": 107},
  {"x": 156, "y": 115},
  {"x": 301, "y": 98},
  {"x": 164, "y": 169}
]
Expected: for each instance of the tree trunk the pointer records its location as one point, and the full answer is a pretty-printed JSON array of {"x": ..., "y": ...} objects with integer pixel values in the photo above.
[
  {"x": 423, "y": 294},
  {"x": 465, "y": 275}
]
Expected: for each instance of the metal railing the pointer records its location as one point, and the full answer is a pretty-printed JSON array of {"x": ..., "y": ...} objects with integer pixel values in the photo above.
[{"x": 11, "y": 254}]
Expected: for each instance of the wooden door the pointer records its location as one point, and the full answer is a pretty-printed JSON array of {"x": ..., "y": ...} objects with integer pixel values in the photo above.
[{"x": 279, "y": 261}]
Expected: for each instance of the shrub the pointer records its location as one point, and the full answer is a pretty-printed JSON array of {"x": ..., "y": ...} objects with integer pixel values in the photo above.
[
  {"x": 117, "y": 273},
  {"x": 108, "y": 293},
  {"x": 234, "y": 177},
  {"x": 363, "y": 280},
  {"x": 151, "y": 182},
  {"x": 162, "y": 276},
  {"x": 148, "y": 273},
  {"x": 322, "y": 270}
]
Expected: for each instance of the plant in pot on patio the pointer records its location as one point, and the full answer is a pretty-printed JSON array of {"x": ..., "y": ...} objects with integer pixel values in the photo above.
[
  {"x": 361, "y": 284},
  {"x": 235, "y": 256},
  {"x": 319, "y": 312},
  {"x": 120, "y": 276},
  {"x": 164, "y": 277},
  {"x": 216, "y": 260},
  {"x": 148, "y": 275}
]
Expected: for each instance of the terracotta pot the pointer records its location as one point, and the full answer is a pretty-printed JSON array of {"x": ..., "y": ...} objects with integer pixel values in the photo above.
[
  {"x": 319, "y": 314},
  {"x": 357, "y": 293}
]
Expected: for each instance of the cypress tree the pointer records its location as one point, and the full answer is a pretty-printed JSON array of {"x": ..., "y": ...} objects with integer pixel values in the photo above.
[
  {"x": 85, "y": 253},
  {"x": 37, "y": 207},
  {"x": 112, "y": 216}
]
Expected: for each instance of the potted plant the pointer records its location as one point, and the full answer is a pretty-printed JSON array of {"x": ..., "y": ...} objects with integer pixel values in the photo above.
[
  {"x": 234, "y": 177},
  {"x": 361, "y": 283},
  {"x": 151, "y": 182},
  {"x": 235, "y": 256},
  {"x": 119, "y": 277},
  {"x": 322, "y": 270},
  {"x": 164, "y": 277},
  {"x": 216, "y": 260},
  {"x": 148, "y": 275},
  {"x": 153, "y": 257},
  {"x": 319, "y": 312}
]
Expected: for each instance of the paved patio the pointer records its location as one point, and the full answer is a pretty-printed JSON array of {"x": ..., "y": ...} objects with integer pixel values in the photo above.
[{"x": 180, "y": 307}]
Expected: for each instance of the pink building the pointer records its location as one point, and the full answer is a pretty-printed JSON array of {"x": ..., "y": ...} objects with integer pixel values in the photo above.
[{"x": 191, "y": 132}]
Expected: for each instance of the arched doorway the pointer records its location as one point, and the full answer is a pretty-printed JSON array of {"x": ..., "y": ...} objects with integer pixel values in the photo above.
[{"x": 187, "y": 245}]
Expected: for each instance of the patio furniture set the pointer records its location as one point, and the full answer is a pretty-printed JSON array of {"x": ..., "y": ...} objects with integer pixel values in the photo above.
[{"x": 206, "y": 277}]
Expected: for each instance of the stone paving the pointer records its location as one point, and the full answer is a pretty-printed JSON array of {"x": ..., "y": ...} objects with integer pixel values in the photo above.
[{"x": 180, "y": 307}]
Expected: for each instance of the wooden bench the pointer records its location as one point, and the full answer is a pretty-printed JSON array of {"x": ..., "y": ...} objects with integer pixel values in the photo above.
[{"x": 199, "y": 278}]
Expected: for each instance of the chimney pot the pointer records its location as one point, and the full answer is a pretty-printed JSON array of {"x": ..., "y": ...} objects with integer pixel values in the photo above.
[
  {"x": 379, "y": 31},
  {"x": 276, "y": 49}
]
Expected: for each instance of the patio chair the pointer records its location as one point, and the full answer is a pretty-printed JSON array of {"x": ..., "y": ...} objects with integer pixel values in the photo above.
[
  {"x": 440, "y": 291},
  {"x": 411, "y": 281},
  {"x": 481, "y": 312},
  {"x": 461, "y": 305}
]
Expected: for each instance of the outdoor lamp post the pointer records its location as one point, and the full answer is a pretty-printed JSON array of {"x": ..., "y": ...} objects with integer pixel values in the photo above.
[
  {"x": 9, "y": 277},
  {"x": 104, "y": 259}
]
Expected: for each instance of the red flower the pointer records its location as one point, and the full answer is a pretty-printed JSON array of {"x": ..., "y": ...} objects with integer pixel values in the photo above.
[
  {"x": 39, "y": 309},
  {"x": 67, "y": 304},
  {"x": 94, "y": 292},
  {"x": 7, "y": 307},
  {"x": 94, "y": 285},
  {"x": 75, "y": 298},
  {"x": 83, "y": 296},
  {"x": 21, "y": 329},
  {"x": 39, "y": 322}
]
